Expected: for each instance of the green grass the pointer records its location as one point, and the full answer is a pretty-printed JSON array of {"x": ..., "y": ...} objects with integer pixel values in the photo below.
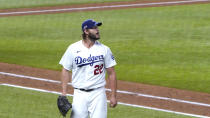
[
  {"x": 20, "y": 103},
  {"x": 5, "y": 4},
  {"x": 166, "y": 46}
]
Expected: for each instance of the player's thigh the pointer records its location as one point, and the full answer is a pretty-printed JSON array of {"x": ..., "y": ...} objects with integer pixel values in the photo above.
[
  {"x": 79, "y": 105},
  {"x": 98, "y": 107}
]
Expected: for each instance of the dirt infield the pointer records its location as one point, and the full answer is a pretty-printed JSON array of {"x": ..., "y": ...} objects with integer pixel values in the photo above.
[{"x": 169, "y": 93}]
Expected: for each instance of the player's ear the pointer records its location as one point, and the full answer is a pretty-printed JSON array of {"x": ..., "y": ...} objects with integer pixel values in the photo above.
[{"x": 86, "y": 31}]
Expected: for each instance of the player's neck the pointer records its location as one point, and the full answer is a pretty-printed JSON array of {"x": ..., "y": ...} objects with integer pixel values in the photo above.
[{"x": 88, "y": 43}]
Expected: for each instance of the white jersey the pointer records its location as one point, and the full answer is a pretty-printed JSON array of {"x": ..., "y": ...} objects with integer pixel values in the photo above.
[{"x": 88, "y": 65}]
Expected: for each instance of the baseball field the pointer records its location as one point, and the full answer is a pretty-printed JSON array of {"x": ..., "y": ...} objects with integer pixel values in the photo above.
[{"x": 162, "y": 51}]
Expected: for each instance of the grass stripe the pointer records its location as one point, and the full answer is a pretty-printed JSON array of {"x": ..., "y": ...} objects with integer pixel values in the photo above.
[{"x": 101, "y": 7}]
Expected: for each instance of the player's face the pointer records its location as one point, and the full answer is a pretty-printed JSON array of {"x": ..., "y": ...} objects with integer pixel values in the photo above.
[{"x": 93, "y": 33}]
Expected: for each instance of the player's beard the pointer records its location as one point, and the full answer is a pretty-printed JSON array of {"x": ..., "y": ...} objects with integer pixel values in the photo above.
[{"x": 93, "y": 37}]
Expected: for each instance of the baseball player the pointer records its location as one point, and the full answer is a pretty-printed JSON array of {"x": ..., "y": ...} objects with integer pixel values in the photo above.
[{"x": 89, "y": 60}]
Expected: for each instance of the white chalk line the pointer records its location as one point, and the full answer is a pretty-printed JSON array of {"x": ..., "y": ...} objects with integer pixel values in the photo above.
[
  {"x": 126, "y": 104},
  {"x": 119, "y": 91},
  {"x": 102, "y": 7}
]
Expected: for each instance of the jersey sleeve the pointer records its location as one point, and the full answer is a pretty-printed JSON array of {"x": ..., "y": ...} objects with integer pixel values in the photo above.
[
  {"x": 109, "y": 59},
  {"x": 67, "y": 60}
]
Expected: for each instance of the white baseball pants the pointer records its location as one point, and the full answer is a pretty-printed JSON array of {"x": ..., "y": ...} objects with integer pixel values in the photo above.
[{"x": 92, "y": 104}]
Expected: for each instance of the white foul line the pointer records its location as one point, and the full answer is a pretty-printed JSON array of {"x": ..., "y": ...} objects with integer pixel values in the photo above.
[
  {"x": 119, "y": 91},
  {"x": 126, "y": 104},
  {"x": 102, "y": 7}
]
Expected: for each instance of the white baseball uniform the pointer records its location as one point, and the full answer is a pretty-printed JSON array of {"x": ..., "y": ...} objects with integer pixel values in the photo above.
[{"x": 88, "y": 66}]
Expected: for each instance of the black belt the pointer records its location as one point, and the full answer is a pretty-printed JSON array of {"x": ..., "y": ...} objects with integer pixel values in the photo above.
[{"x": 86, "y": 90}]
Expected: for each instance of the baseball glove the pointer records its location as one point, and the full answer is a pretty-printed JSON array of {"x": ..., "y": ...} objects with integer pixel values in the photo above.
[{"x": 63, "y": 105}]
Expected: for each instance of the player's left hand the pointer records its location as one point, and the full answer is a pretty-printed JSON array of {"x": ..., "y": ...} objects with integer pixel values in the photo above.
[{"x": 113, "y": 102}]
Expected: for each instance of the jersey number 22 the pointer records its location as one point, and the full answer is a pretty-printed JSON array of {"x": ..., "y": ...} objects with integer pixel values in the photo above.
[{"x": 98, "y": 69}]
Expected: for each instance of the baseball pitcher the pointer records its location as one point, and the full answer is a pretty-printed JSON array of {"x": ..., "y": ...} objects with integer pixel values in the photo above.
[{"x": 89, "y": 60}]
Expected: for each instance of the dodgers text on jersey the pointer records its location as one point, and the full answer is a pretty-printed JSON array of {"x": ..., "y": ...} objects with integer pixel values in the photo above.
[{"x": 88, "y": 61}]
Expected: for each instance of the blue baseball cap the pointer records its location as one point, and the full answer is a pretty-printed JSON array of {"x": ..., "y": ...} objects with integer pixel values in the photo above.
[{"x": 89, "y": 24}]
